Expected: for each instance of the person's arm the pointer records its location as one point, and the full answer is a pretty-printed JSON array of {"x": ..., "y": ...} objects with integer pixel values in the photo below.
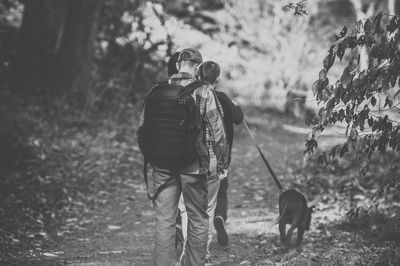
[
  {"x": 237, "y": 113},
  {"x": 216, "y": 128},
  {"x": 139, "y": 131}
]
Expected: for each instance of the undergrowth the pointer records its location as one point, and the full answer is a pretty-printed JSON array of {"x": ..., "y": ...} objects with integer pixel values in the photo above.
[{"x": 54, "y": 156}]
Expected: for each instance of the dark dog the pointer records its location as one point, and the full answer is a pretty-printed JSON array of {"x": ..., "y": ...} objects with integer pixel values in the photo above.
[{"x": 293, "y": 210}]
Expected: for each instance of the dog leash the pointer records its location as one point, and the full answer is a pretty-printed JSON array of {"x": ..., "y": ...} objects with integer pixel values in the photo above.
[{"x": 262, "y": 156}]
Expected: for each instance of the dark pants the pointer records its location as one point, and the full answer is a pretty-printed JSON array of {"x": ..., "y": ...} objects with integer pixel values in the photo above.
[{"x": 222, "y": 200}]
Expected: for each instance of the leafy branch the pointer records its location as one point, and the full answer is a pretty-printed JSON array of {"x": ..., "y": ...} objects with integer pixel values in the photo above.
[
  {"x": 359, "y": 92},
  {"x": 298, "y": 8}
]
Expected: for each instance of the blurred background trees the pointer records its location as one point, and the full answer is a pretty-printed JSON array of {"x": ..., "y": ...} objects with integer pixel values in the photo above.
[
  {"x": 102, "y": 56},
  {"x": 118, "y": 49}
]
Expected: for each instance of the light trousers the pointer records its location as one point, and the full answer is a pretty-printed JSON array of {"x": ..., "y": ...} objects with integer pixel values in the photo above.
[
  {"x": 213, "y": 183},
  {"x": 193, "y": 189}
]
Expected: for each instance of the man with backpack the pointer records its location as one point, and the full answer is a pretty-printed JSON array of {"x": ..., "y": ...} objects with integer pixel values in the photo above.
[{"x": 180, "y": 119}]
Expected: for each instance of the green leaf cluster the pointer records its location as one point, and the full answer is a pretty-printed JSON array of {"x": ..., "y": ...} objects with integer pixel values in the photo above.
[{"x": 357, "y": 97}]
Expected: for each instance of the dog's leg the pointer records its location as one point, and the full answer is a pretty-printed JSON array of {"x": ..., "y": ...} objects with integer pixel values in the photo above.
[
  {"x": 290, "y": 232},
  {"x": 300, "y": 233},
  {"x": 282, "y": 230}
]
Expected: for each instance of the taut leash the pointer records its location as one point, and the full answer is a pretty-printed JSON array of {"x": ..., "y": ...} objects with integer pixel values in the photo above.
[{"x": 262, "y": 156}]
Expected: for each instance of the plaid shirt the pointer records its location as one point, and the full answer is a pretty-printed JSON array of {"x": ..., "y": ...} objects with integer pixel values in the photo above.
[{"x": 212, "y": 127}]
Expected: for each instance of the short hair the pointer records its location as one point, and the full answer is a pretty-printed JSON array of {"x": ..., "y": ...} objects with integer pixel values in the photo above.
[
  {"x": 208, "y": 72},
  {"x": 171, "y": 65}
]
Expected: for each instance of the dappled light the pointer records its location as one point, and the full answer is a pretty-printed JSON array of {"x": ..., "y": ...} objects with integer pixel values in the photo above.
[{"x": 100, "y": 101}]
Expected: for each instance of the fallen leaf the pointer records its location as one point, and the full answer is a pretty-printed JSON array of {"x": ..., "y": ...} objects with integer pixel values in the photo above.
[
  {"x": 43, "y": 234},
  {"x": 58, "y": 252},
  {"x": 71, "y": 220},
  {"x": 113, "y": 227},
  {"x": 112, "y": 252},
  {"x": 86, "y": 222},
  {"x": 48, "y": 254}
]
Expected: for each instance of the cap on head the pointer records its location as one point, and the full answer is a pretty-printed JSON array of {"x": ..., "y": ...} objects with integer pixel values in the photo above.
[
  {"x": 190, "y": 54},
  {"x": 209, "y": 71}
]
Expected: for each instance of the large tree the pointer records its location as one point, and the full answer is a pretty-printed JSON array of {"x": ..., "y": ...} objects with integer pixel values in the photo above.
[{"x": 56, "y": 41}]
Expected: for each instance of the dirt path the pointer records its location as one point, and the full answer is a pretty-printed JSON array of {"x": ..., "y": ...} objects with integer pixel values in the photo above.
[{"x": 120, "y": 230}]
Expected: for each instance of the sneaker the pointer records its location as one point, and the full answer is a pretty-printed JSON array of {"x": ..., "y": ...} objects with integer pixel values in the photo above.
[
  {"x": 208, "y": 262},
  {"x": 222, "y": 236}
]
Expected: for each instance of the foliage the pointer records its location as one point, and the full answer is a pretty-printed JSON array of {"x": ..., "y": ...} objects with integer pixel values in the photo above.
[
  {"x": 133, "y": 45},
  {"x": 267, "y": 61},
  {"x": 259, "y": 67},
  {"x": 10, "y": 13},
  {"x": 366, "y": 100},
  {"x": 65, "y": 162},
  {"x": 298, "y": 8}
]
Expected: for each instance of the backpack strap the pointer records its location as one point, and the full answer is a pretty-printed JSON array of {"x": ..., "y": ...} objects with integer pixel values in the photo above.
[
  {"x": 165, "y": 185},
  {"x": 149, "y": 92},
  {"x": 191, "y": 87},
  {"x": 155, "y": 86}
]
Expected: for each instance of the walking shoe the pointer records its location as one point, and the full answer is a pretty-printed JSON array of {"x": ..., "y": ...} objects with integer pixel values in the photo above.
[
  {"x": 222, "y": 236},
  {"x": 208, "y": 262}
]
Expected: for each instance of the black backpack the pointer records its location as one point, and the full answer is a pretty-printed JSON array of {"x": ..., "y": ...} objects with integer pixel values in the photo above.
[{"x": 171, "y": 126}]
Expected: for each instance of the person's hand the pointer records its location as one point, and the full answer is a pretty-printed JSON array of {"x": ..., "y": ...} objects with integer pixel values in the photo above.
[{"x": 223, "y": 174}]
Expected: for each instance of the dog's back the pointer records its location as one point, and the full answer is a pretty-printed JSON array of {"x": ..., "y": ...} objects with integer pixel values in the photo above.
[{"x": 293, "y": 210}]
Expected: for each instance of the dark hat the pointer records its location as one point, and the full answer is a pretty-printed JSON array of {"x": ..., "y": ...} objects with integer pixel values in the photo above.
[
  {"x": 191, "y": 54},
  {"x": 208, "y": 71}
]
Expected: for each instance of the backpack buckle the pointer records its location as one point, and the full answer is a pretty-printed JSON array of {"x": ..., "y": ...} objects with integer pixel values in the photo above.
[{"x": 183, "y": 100}]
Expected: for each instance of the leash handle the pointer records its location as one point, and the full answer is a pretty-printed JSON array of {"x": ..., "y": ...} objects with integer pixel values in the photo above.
[{"x": 262, "y": 155}]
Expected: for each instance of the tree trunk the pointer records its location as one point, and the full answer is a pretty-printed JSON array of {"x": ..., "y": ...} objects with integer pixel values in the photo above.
[
  {"x": 363, "y": 13},
  {"x": 56, "y": 42},
  {"x": 74, "y": 61},
  {"x": 40, "y": 32},
  {"x": 394, "y": 7}
]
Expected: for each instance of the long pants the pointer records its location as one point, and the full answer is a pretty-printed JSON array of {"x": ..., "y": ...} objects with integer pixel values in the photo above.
[
  {"x": 222, "y": 200},
  {"x": 213, "y": 183},
  {"x": 194, "y": 191}
]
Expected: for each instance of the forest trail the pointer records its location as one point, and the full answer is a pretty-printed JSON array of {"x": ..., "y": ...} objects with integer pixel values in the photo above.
[{"x": 120, "y": 230}]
